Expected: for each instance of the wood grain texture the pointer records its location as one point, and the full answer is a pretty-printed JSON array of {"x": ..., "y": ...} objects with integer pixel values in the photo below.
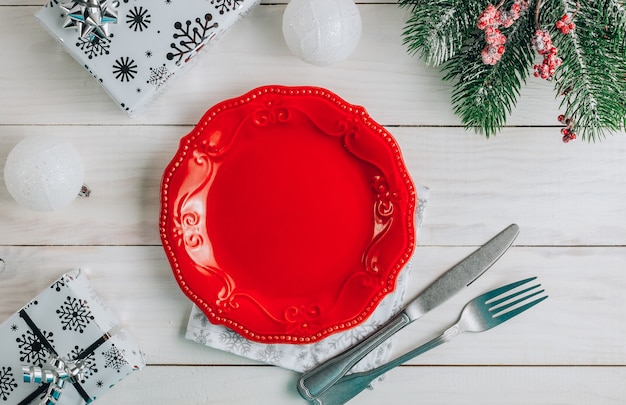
[
  {"x": 396, "y": 87},
  {"x": 559, "y": 194},
  {"x": 409, "y": 385},
  {"x": 567, "y": 199},
  {"x": 585, "y": 311}
]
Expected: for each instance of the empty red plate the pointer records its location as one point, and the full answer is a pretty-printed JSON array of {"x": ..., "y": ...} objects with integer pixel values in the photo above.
[{"x": 287, "y": 213}]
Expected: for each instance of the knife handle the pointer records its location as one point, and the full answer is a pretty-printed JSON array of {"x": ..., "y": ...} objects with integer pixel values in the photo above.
[{"x": 317, "y": 380}]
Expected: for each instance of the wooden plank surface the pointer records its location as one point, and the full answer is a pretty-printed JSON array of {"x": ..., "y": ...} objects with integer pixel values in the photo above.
[
  {"x": 585, "y": 287},
  {"x": 559, "y": 194},
  {"x": 410, "y": 385},
  {"x": 567, "y": 199},
  {"x": 395, "y": 87}
]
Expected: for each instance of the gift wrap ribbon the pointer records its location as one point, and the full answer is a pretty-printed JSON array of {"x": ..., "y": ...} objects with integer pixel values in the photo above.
[{"x": 60, "y": 371}]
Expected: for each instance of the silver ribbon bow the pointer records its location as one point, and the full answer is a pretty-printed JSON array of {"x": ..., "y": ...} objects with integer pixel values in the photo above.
[
  {"x": 59, "y": 373},
  {"x": 90, "y": 17}
]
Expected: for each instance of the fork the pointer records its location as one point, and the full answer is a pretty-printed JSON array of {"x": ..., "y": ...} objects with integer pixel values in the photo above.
[{"x": 480, "y": 314}]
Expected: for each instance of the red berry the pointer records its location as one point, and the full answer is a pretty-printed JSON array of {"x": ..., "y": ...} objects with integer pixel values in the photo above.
[
  {"x": 569, "y": 137},
  {"x": 489, "y": 20},
  {"x": 565, "y": 25}
]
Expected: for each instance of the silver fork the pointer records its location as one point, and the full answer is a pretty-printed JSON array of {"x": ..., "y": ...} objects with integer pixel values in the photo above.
[{"x": 480, "y": 314}]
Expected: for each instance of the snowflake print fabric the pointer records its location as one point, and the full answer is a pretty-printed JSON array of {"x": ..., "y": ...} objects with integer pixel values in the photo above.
[
  {"x": 301, "y": 357},
  {"x": 7, "y": 382},
  {"x": 159, "y": 76},
  {"x": 94, "y": 47},
  {"x": 115, "y": 358},
  {"x": 190, "y": 37},
  {"x": 138, "y": 19},
  {"x": 70, "y": 324},
  {"x": 124, "y": 69},
  {"x": 90, "y": 366},
  {"x": 75, "y": 314},
  {"x": 32, "y": 349},
  {"x": 224, "y": 6},
  {"x": 151, "y": 43}
]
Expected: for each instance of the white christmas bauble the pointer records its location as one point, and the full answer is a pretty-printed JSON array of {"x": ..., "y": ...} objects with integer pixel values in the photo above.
[
  {"x": 44, "y": 173},
  {"x": 322, "y": 32}
]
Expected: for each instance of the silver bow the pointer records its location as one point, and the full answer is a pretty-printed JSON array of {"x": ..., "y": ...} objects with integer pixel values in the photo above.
[
  {"x": 59, "y": 372},
  {"x": 90, "y": 17}
]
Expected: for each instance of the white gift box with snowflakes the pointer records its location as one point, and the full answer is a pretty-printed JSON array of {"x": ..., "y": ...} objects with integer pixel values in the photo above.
[
  {"x": 144, "y": 44},
  {"x": 65, "y": 346}
]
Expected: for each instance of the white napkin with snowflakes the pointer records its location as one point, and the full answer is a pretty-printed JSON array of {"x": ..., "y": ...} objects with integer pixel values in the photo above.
[{"x": 301, "y": 357}]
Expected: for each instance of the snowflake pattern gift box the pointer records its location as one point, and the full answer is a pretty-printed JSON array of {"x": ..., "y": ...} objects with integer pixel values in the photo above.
[
  {"x": 65, "y": 347},
  {"x": 135, "y": 47}
]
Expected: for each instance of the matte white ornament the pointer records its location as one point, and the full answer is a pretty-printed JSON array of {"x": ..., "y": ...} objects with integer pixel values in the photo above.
[
  {"x": 44, "y": 173},
  {"x": 322, "y": 32}
]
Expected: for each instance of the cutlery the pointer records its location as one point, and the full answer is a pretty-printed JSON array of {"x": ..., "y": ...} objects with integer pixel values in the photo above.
[
  {"x": 480, "y": 314},
  {"x": 316, "y": 381}
]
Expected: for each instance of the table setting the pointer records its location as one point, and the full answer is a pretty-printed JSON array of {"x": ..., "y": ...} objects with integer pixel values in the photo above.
[{"x": 238, "y": 201}]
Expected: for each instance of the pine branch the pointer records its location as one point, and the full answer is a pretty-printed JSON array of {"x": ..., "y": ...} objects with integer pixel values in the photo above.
[
  {"x": 484, "y": 95},
  {"x": 593, "y": 73},
  {"x": 592, "y": 78},
  {"x": 619, "y": 35},
  {"x": 436, "y": 29}
]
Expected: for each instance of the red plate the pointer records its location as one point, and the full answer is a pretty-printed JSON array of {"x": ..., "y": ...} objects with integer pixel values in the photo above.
[{"x": 287, "y": 213}]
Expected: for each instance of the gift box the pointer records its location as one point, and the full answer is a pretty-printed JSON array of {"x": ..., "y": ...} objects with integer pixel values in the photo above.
[
  {"x": 134, "y": 48},
  {"x": 65, "y": 346}
]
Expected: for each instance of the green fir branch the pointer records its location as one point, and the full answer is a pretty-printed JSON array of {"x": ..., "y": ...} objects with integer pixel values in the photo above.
[
  {"x": 436, "y": 29},
  {"x": 591, "y": 80},
  {"x": 484, "y": 95},
  {"x": 592, "y": 76}
]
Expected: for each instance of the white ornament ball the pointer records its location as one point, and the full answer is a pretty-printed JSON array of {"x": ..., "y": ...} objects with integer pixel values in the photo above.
[
  {"x": 44, "y": 173},
  {"x": 322, "y": 32}
]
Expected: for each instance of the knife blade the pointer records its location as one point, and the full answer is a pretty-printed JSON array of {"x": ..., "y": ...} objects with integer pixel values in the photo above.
[{"x": 316, "y": 381}]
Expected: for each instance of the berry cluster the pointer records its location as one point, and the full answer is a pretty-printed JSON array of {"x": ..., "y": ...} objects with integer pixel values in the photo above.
[
  {"x": 568, "y": 132},
  {"x": 543, "y": 45},
  {"x": 490, "y": 20},
  {"x": 492, "y": 53},
  {"x": 565, "y": 24}
]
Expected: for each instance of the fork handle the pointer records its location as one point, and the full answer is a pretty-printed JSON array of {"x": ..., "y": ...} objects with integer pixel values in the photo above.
[
  {"x": 319, "y": 379},
  {"x": 349, "y": 386}
]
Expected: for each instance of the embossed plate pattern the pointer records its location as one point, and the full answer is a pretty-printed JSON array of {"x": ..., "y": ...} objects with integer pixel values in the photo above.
[{"x": 287, "y": 213}]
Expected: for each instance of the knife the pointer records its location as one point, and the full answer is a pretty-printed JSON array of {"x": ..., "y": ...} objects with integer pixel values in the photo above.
[{"x": 316, "y": 381}]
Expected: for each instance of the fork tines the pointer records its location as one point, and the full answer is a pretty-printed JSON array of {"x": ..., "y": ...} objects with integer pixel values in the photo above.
[{"x": 510, "y": 300}]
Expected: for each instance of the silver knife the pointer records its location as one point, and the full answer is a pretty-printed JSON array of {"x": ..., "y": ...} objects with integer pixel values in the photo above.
[{"x": 316, "y": 381}]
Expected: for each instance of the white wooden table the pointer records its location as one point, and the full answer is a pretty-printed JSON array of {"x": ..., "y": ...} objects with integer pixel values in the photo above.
[{"x": 569, "y": 200}]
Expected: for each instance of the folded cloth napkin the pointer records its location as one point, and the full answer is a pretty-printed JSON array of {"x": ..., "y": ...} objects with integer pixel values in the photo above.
[{"x": 301, "y": 357}]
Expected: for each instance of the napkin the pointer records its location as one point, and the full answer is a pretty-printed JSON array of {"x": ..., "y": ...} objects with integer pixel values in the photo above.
[{"x": 302, "y": 357}]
